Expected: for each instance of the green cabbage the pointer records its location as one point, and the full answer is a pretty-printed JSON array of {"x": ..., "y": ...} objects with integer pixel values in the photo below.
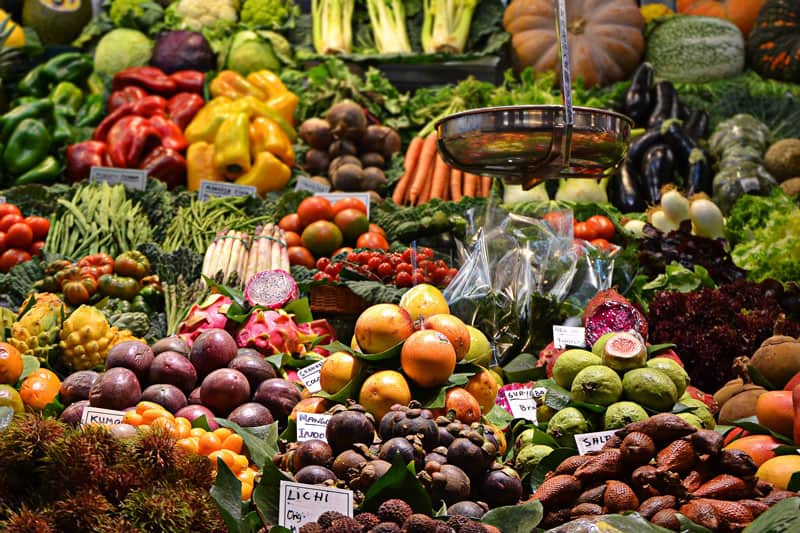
[{"x": 120, "y": 49}]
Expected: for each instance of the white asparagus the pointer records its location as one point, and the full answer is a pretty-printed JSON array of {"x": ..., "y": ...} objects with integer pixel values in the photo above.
[
  {"x": 285, "y": 264},
  {"x": 252, "y": 256},
  {"x": 225, "y": 255},
  {"x": 265, "y": 255},
  {"x": 233, "y": 263},
  {"x": 209, "y": 257},
  {"x": 276, "y": 248},
  {"x": 242, "y": 268},
  {"x": 217, "y": 254}
]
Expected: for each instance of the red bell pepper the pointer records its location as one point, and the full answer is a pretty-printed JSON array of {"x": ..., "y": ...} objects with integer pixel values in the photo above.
[
  {"x": 150, "y": 105},
  {"x": 151, "y": 79},
  {"x": 129, "y": 139},
  {"x": 102, "y": 129},
  {"x": 81, "y": 157},
  {"x": 166, "y": 165},
  {"x": 123, "y": 96},
  {"x": 182, "y": 108},
  {"x": 171, "y": 134},
  {"x": 189, "y": 80}
]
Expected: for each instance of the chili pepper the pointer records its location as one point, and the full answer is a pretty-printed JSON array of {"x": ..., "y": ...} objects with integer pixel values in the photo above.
[
  {"x": 34, "y": 83},
  {"x": 149, "y": 78},
  {"x": 72, "y": 66},
  {"x": 232, "y": 146},
  {"x": 638, "y": 98},
  {"x": 133, "y": 264},
  {"x": 267, "y": 174},
  {"x": 152, "y": 295},
  {"x": 139, "y": 305},
  {"x": 234, "y": 85},
  {"x": 27, "y": 146},
  {"x": 96, "y": 84},
  {"x": 104, "y": 263},
  {"x": 183, "y": 107},
  {"x": 128, "y": 139},
  {"x": 150, "y": 105},
  {"x": 190, "y": 81},
  {"x": 125, "y": 95},
  {"x": 254, "y": 107},
  {"x": 41, "y": 108},
  {"x": 102, "y": 129},
  {"x": 171, "y": 135},
  {"x": 268, "y": 82},
  {"x": 91, "y": 111},
  {"x": 206, "y": 122},
  {"x": 67, "y": 97},
  {"x": 658, "y": 170},
  {"x": 45, "y": 172},
  {"x": 81, "y": 157},
  {"x": 118, "y": 286},
  {"x": 200, "y": 165},
  {"x": 22, "y": 100},
  {"x": 267, "y": 136},
  {"x": 166, "y": 165}
]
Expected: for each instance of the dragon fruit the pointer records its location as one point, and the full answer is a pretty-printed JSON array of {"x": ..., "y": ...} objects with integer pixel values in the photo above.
[
  {"x": 502, "y": 399},
  {"x": 271, "y": 289},
  {"x": 548, "y": 356},
  {"x": 203, "y": 316},
  {"x": 271, "y": 332},
  {"x": 609, "y": 312}
]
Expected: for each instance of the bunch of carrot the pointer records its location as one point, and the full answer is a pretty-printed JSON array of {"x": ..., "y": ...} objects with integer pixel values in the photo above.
[{"x": 427, "y": 176}]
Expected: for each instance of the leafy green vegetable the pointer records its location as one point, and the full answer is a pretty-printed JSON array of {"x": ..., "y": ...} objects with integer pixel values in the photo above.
[
  {"x": 18, "y": 282},
  {"x": 407, "y": 223},
  {"x": 35, "y": 199},
  {"x": 783, "y": 516},
  {"x": 520, "y": 518},
  {"x": 679, "y": 278}
]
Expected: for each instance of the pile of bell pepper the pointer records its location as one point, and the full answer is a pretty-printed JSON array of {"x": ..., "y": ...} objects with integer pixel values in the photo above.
[
  {"x": 244, "y": 134},
  {"x": 59, "y": 102},
  {"x": 147, "y": 112}
]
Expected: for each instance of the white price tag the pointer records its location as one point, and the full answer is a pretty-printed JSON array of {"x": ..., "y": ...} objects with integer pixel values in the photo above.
[
  {"x": 591, "y": 442},
  {"x": 564, "y": 336},
  {"x": 310, "y": 376},
  {"x": 334, "y": 197},
  {"x": 750, "y": 184},
  {"x": 311, "y": 426},
  {"x": 221, "y": 189},
  {"x": 97, "y": 415},
  {"x": 132, "y": 178},
  {"x": 307, "y": 184},
  {"x": 300, "y": 504},
  {"x": 523, "y": 402}
]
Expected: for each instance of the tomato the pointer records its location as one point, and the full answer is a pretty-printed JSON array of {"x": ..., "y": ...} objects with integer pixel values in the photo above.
[
  {"x": 372, "y": 240},
  {"x": 40, "y": 226},
  {"x": 2, "y": 241},
  {"x": 19, "y": 235},
  {"x": 13, "y": 257},
  {"x": 377, "y": 229},
  {"x": 348, "y": 203},
  {"x": 314, "y": 208},
  {"x": 555, "y": 219},
  {"x": 9, "y": 209},
  {"x": 9, "y": 220},
  {"x": 403, "y": 279},
  {"x": 300, "y": 256},
  {"x": 583, "y": 231},
  {"x": 290, "y": 223},
  {"x": 36, "y": 248},
  {"x": 602, "y": 244},
  {"x": 602, "y": 226}
]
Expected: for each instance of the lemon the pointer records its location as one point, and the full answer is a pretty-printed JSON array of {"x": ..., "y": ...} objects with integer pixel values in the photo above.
[{"x": 423, "y": 301}]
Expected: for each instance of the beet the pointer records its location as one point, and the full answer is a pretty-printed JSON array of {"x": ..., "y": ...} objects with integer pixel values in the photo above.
[
  {"x": 171, "y": 344},
  {"x": 173, "y": 368},
  {"x": 223, "y": 390},
  {"x": 316, "y": 132},
  {"x": 133, "y": 355},
  {"x": 372, "y": 159},
  {"x": 381, "y": 139},
  {"x": 254, "y": 367},
  {"x": 211, "y": 350},
  {"x": 250, "y": 415},
  {"x": 342, "y": 147},
  {"x": 168, "y": 396},
  {"x": 347, "y": 120},
  {"x": 73, "y": 413},
  {"x": 279, "y": 396},
  {"x": 116, "y": 388},
  {"x": 76, "y": 386},
  {"x": 317, "y": 161},
  {"x": 192, "y": 412}
]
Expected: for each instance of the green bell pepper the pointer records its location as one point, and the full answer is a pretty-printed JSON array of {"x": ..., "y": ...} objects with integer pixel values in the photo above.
[
  {"x": 140, "y": 305},
  {"x": 41, "y": 108},
  {"x": 45, "y": 172},
  {"x": 72, "y": 66},
  {"x": 63, "y": 133},
  {"x": 67, "y": 97},
  {"x": 152, "y": 296},
  {"x": 27, "y": 146},
  {"x": 34, "y": 83},
  {"x": 91, "y": 112}
]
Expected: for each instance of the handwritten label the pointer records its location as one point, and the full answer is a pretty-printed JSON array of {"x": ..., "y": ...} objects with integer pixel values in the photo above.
[
  {"x": 105, "y": 417},
  {"x": 132, "y": 178},
  {"x": 564, "y": 336},
  {"x": 300, "y": 504},
  {"x": 221, "y": 189},
  {"x": 310, "y": 377},
  {"x": 334, "y": 197},
  {"x": 523, "y": 402},
  {"x": 311, "y": 426},
  {"x": 591, "y": 442},
  {"x": 307, "y": 184}
]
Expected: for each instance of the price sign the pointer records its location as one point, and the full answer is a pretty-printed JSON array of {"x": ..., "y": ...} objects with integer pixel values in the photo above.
[
  {"x": 307, "y": 184},
  {"x": 312, "y": 426},
  {"x": 334, "y": 197},
  {"x": 591, "y": 442},
  {"x": 221, "y": 189},
  {"x": 564, "y": 336},
  {"x": 2, "y": 199},
  {"x": 310, "y": 377},
  {"x": 523, "y": 402},
  {"x": 300, "y": 504},
  {"x": 132, "y": 178},
  {"x": 96, "y": 415}
]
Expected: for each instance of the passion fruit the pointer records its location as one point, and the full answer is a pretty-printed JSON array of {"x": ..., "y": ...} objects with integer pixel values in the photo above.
[
  {"x": 173, "y": 368},
  {"x": 250, "y": 415},
  {"x": 254, "y": 367},
  {"x": 77, "y": 385},
  {"x": 212, "y": 350},
  {"x": 279, "y": 396},
  {"x": 223, "y": 390},
  {"x": 116, "y": 388},
  {"x": 169, "y": 397},
  {"x": 193, "y": 412},
  {"x": 133, "y": 355},
  {"x": 74, "y": 412}
]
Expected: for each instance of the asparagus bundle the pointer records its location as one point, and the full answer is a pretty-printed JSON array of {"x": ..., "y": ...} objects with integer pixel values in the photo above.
[{"x": 234, "y": 257}]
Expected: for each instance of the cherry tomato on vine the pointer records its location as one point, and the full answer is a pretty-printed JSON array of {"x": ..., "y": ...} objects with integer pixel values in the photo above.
[
  {"x": 403, "y": 279},
  {"x": 9, "y": 209},
  {"x": 602, "y": 226}
]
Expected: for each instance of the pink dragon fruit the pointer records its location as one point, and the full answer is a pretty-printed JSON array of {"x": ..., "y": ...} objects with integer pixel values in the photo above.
[
  {"x": 271, "y": 332},
  {"x": 271, "y": 289},
  {"x": 501, "y": 398},
  {"x": 203, "y": 316},
  {"x": 548, "y": 356},
  {"x": 322, "y": 329},
  {"x": 608, "y": 312}
]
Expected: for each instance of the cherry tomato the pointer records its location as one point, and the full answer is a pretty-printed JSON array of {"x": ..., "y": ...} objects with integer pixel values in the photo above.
[
  {"x": 19, "y": 235},
  {"x": 322, "y": 263},
  {"x": 36, "y": 248},
  {"x": 2, "y": 241},
  {"x": 403, "y": 279},
  {"x": 602, "y": 226},
  {"x": 408, "y": 255},
  {"x": 352, "y": 257},
  {"x": 418, "y": 278},
  {"x": 13, "y": 257},
  {"x": 405, "y": 267},
  {"x": 9, "y": 220},
  {"x": 374, "y": 263},
  {"x": 583, "y": 231},
  {"x": 554, "y": 219},
  {"x": 9, "y": 209},
  {"x": 321, "y": 276},
  {"x": 452, "y": 272},
  {"x": 385, "y": 270},
  {"x": 601, "y": 244}
]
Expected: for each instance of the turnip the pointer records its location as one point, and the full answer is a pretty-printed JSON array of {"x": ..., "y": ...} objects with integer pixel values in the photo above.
[{"x": 707, "y": 218}]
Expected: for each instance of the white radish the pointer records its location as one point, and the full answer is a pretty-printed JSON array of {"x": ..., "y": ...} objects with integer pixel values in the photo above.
[
  {"x": 674, "y": 204},
  {"x": 659, "y": 220},
  {"x": 707, "y": 219},
  {"x": 635, "y": 227}
]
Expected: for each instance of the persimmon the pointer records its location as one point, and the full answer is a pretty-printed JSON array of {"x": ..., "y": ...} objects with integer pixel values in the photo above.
[
  {"x": 775, "y": 411},
  {"x": 11, "y": 364}
]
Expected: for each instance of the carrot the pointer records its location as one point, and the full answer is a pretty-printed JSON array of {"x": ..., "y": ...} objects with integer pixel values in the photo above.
[
  {"x": 410, "y": 162},
  {"x": 440, "y": 176},
  {"x": 455, "y": 184},
  {"x": 427, "y": 187},
  {"x": 470, "y": 184},
  {"x": 486, "y": 186},
  {"x": 427, "y": 157},
  {"x": 446, "y": 193}
]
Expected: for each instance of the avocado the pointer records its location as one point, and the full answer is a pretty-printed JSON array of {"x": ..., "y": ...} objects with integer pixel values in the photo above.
[
  {"x": 782, "y": 160},
  {"x": 57, "y": 22}
]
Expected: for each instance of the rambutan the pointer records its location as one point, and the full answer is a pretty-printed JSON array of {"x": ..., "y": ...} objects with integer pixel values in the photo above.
[
  {"x": 28, "y": 521},
  {"x": 84, "y": 510}
]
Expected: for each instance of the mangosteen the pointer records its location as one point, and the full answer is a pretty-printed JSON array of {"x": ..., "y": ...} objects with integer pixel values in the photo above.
[
  {"x": 348, "y": 464},
  {"x": 469, "y": 455},
  {"x": 212, "y": 350},
  {"x": 312, "y": 452},
  {"x": 437, "y": 455},
  {"x": 314, "y": 475},
  {"x": 389, "y": 420},
  {"x": 411, "y": 420},
  {"x": 279, "y": 396},
  {"x": 254, "y": 367},
  {"x": 372, "y": 159},
  {"x": 116, "y": 388},
  {"x": 133, "y": 355},
  {"x": 371, "y": 472},
  {"x": 173, "y": 368},
  {"x": 223, "y": 390},
  {"x": 501, "y": 486},
  {"x": 317, "y": 161},
  {"x": 316, "y": 132},
  {"x": 169, "y": 397},
  {"x": 250, "y": 415},
  {"x": 409, "y": 448},
  {"x": 448, "y": 484},
  {"x": 467, "y": 508},
  {"x": 77, "y": 385},
  {"x": 74, "y": 412},
  {"x": 171, "y": 344},
  {"x": 347, "y": 120},
  {"x": 348, "y": 426}
]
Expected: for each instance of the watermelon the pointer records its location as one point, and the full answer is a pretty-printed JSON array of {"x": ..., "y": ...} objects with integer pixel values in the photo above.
[{"x": 690, "y": 49}]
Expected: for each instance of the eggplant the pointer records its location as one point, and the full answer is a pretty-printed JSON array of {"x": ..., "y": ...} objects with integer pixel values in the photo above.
[
  {"x": 641, "y": 144},
  {"x": 658, "y": 170},
  {"x": 638, "y": 98},
  {"x": 697, "y": 124},
  {"x": 699, "y": 177},
  {"x": 626, "y": 192},
  {"x": 681, "y": 143},
  {"x": 666, "y": 104},
  {"x": 682, "y": 111}
]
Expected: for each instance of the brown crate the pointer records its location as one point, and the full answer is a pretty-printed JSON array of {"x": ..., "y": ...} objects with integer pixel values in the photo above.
[{"x": 336, "y": 299}]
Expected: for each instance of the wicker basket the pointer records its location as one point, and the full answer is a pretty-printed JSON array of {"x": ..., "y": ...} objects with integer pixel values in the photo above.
[{"x": 336, "y": 300}]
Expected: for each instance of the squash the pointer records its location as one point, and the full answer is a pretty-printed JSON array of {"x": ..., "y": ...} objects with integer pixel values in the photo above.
[
  {"x": 605, "y": 37},
  {"x": 774, "y": 44},
  {"x": 695, "y": 49},
  {"x": 743, "y": 13}
]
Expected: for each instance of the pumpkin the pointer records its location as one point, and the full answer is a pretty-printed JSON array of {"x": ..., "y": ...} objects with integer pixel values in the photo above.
[
  {"x": 743, "y": 13},
  {"x": 774, "y": 44},
  {"x": 605, "y": 37}
]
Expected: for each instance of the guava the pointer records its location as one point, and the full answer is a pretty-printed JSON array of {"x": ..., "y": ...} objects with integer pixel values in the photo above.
[
  {"x": 544, "y": 413},
  {"x": 480, "y": 352},
  {"x": 600, "y": 344},
  {"x": 700, "y": 410},
  {"x": 570, "y": 363},
  {"x": 624, "y": 351},
  {"x": 692, "y": 419},
  {"x": 530, "y": 456},
  {"x": 673, "y": 371},
  {"x": 650, "y": 388},
  {"x": 565, "y": 424},
  {"x": 597, "y": 384},
  {"x": 620, "y": 414},
  {"x": 525, "y": 439}
]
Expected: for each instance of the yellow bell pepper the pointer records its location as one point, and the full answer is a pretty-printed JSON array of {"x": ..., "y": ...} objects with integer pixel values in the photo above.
[
  {"x": 234, "y": 85},
  {"x": 285, "y": 104},
  {"x": 200, "y": 165},
  {"x": 205, "y": 124},
  {"x": 267, "y": 136},
  {"x": 253, "y": 107},
  {"x": 232, "y": 146},
  {"x": 267, "y": 175},
  {"x": 268, "y": 82}
]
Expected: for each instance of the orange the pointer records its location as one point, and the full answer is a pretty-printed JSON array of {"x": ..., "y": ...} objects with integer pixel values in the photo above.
[
  {"x": 464, "y": 404},
  {"x": 197, "y": 432},
  {"x": 759, "y": 447},
  {"x": 454, "y": 329},
  {"x": 382, "y": 390},
  {"x": 227, "y": 456},
  {"x": 775, "y": 411},
  {"x": 149, "y": 415},
  {"x": 428, "y": 358},
  {"x": 10, "y": 364},
  {"x": 233, "y": 443},
  {"x": 37, "y": 392},
  {"x": 484, "y": 388},
  {"x": 184, "y": 427},
  {"x": 337, "y": 371},
  {"x": 208, "y": 443},
  {"x": 779, "y": 470}
]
